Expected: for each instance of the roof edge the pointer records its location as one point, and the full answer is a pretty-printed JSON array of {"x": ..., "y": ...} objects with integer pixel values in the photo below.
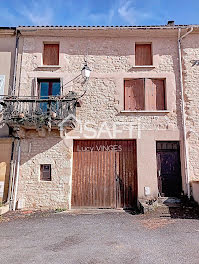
[
  {"x": 109, "y": 27},
  {"x": 8, "y": 31},
  {"x": 7, "y": 28}
]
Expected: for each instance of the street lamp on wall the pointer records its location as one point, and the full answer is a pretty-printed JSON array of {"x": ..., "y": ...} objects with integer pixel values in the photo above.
[{"x": 86, "y": 71}]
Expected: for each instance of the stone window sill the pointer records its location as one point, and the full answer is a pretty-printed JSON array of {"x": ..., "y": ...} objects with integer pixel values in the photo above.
[
  {"x": 143, "y": 66},
  {"x": 195, "y": 181},
  {"x": 45, "y": 181},
  {"x": 145, "y": 112},
  {"x": 49, "y": 66}
]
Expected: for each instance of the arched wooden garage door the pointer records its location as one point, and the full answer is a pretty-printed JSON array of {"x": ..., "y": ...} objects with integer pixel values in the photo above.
[{"x": 104, "y": 174}]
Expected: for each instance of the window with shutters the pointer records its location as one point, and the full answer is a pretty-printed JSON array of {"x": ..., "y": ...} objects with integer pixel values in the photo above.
[
  {"x": 144, "y": 94},
  {"x": 143, "y": 54},
  {"x": 51, "y": 54},
  {"x": 45, "y": 172},
  {"x": 49, "y": 87}
]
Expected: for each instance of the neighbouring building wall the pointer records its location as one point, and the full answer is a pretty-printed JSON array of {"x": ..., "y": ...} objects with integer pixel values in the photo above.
[
  {"x": 111, "y": 59},
  {"x": 7, "y": 54},
  {"x": 195, "y": 190},
  {"x": 191, "y": 94},
  {"x": 5, "y": 155}
]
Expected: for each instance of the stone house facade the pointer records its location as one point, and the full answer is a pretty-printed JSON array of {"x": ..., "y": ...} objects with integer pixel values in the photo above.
[{"x": 134, "y": 128}]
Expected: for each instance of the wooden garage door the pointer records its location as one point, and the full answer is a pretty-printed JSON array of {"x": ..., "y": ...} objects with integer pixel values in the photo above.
[{"x": 104, "y": 174}]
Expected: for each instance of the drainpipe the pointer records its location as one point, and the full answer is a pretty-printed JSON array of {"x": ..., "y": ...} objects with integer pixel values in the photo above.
[
  {"x": 13, "y": 175},
  {"x": 17, "y": 175},
  {"x": 15, "y": 63},
  {"x": 11, "y": 172},
  {"x": 185, "y": 144}
]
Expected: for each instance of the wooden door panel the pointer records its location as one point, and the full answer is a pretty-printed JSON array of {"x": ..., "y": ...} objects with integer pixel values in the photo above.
[
  {"x": 128, "y": 174},
  {"x": 169, "y": 170},
  {"x": 95, "y": 172},
  {"x": 93, "y": 175}
]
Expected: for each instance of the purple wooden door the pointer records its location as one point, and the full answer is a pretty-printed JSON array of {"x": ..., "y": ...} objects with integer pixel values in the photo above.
[{"x": 169, "y": 169}]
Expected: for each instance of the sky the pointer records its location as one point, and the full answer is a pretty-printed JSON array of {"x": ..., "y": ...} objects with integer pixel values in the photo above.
[{"x": 98, "y": 12}]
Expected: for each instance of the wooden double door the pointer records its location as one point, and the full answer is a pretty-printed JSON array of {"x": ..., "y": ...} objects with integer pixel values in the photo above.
[{"x": 104, "y": 174}]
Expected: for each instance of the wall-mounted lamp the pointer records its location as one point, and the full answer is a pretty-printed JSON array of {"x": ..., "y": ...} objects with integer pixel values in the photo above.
[
  {"x": 86, "y": 71},
  {"x": 195, "y": 62}
]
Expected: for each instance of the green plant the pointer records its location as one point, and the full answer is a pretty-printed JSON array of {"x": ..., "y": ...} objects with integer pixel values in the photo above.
[{"x": 59, "y": 210}]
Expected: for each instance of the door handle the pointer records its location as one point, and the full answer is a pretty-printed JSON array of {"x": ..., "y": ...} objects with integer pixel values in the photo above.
[{"x": 159, "y": 173}]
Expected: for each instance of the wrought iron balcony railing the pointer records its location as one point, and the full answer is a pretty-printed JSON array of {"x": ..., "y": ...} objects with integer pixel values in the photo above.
[{"x": 34, "y": 112}]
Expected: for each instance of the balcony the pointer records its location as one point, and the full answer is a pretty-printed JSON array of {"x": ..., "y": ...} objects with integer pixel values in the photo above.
[{"x": 33, "y": 113}]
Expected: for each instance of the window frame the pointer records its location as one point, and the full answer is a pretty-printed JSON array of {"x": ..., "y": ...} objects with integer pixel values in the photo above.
[
  {"x": 144, "y": 82},
  {"x": 51, "y": 43},
  {"x": 152, "y": 59},
  {"x": 50, "y": 81},
  {"x": 43, "y": 179}
]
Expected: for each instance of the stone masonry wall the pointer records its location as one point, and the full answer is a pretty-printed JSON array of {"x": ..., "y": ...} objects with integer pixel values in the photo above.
[
  {"x": 111, "y": 60},
  {"x": 49, "y": 150},
  {"x": 191, "y": 86}
]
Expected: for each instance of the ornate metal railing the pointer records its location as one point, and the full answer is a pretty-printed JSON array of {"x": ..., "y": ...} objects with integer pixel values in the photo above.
[{"x": 34, "y": 112}]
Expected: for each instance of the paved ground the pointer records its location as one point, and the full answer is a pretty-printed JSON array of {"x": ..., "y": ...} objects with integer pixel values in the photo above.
[{"x": 99, "y": 237}]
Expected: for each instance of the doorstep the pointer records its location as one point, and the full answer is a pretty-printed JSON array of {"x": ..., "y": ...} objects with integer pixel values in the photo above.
[
  {"x": 92, "y": 211},
  {"x": 169, "y": 202},
  {"x": 147, "y": 205}
]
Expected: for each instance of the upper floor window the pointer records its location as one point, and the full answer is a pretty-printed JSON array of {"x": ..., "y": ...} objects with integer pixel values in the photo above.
[
  {"x": 143, "y": 54},
  {"x": 51, "y": 54},
  {"x": 144, "y": 94}
]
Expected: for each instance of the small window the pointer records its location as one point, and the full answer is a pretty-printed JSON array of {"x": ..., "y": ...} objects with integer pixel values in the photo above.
[
  {"x": 144, "y": 94},
  {"x": 45, "y": 172},
  {"x": 143, "y": 54},
  {"x": 51, "y": 54}
]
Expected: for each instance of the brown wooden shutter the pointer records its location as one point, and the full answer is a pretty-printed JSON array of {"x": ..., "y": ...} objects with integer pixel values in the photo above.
[
  {"x": 154, "y": 94},
  {"x": 143, "y": 54},
  {"x": 51, "y": 54},
  {"x": 160, "y": 94},
  {"x": 134, "y": 94},
  {"x": 150, "y": 94}
]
